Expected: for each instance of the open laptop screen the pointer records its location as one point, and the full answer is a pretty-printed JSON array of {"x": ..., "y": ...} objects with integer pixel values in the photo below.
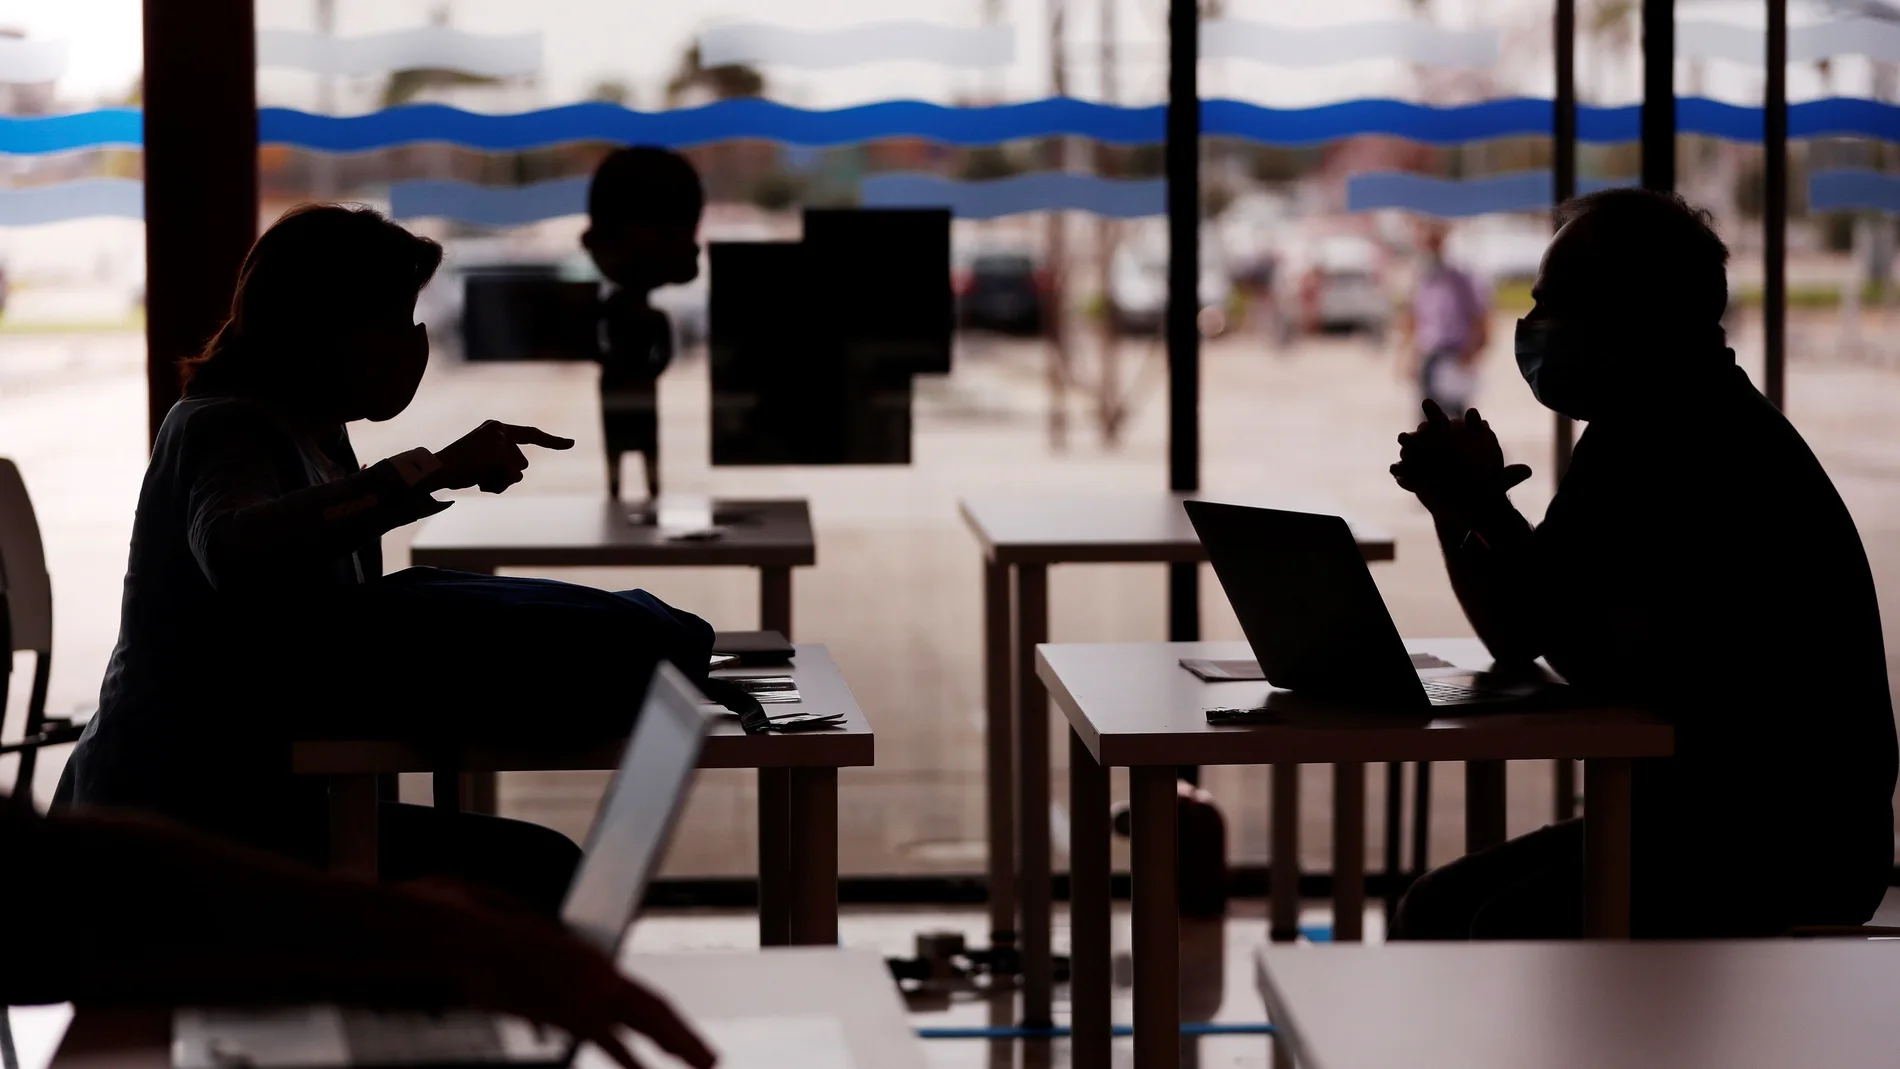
[{"x": 636, "y": 817}]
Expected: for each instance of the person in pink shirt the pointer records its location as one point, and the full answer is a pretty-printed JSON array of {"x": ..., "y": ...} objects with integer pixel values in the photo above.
[{"x": 1445, "y": 328}]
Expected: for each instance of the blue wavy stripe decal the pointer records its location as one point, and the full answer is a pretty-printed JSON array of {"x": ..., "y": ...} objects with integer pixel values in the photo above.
[
  {"x": 77, "y": 199},
  {"x": 1417, "y": 122},
  {"x": 1458, "y": 198},
  {"x": 489, "y": 205},
  {"x": 1044, "y": 191},
  {"x": 728, "y": 119},
  {"x": 64, "y": 133},
  {"x": 1851, "y": 188},
  {"x": 719, "y": 121}
]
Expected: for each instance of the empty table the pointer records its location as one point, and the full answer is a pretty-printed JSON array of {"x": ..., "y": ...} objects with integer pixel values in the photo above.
[{"x": 1759, "y": 1004}]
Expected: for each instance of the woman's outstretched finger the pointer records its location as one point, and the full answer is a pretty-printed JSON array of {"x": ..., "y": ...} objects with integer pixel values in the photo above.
[{"x": 534, "y": 436}]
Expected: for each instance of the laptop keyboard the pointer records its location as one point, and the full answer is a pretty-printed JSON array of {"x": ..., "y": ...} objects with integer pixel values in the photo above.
[
  {"x": 421, "y": 1038},
  {"x": 1442, "y": 693}
]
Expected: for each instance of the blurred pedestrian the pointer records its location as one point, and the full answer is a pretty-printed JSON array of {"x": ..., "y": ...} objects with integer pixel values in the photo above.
[{"x": 1444, "y": 327}]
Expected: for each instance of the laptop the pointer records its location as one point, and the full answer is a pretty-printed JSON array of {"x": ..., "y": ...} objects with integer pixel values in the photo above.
[
  {"x": 629, "y": 835},
  {"x": 1310, "y": 610}
]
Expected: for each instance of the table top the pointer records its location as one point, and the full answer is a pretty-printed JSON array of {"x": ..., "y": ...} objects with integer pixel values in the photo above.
[
  {"x": 1121, "y": 528},
  {"x": 1133, "y": 704},
  {"x": 712, "y": 988},
  {"x": 1761, "y": 1004},
  {"x": 854, "y": 986},
  {"x": 525, "y": 530},
  {"x": 821, "y": 688}
]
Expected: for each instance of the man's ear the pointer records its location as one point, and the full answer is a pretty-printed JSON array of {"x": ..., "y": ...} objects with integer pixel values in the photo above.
[{"x": 587, "y": 239}]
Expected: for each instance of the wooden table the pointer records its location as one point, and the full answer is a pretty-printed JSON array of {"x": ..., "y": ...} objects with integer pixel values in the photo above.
[
  {"x": 1022, "y": 535},
  {"x": 1761, "y": 1004},
  {"x": 525, "y": 531},
  {"x": 851, "y": 986},
  {"x": 1133, "y": 705},
  {"x": 797, "y": 797},
  {"x": 488, "y": 534}
]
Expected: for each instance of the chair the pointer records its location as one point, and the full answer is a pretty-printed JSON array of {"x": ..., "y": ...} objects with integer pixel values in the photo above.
[{"x": 26, "y": 595}]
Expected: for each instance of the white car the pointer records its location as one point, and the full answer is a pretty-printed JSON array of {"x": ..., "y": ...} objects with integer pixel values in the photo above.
[
  {"x": 1335, "y": 283},
  {"x": 1138, "y": 287}
]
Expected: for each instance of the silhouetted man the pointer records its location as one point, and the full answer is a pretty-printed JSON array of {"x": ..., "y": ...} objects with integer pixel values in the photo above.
[
  {"x": 1696, "y": 560},
  {"x": 643, "y": 209}
]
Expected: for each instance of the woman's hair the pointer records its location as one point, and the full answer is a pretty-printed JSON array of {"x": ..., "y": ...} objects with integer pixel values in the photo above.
[{"x": 319, "y": 273}]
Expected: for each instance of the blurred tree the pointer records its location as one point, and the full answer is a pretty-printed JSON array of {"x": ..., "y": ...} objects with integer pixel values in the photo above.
[
  {"x": 990, "y": 161},
  {"x": 404, "y": 86},
  {"x": 777, "y": 190},
  {"x": 723, "y": 82},
  {"x": 611, "y": 91}
]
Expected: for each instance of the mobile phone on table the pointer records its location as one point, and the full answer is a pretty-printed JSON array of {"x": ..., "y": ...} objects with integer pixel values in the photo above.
[{"x": 1233, "y": 715}]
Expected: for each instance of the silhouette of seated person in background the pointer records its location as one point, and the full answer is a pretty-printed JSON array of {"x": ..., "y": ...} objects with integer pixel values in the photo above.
[
  {"x": 170, "y": 917},
  {"x": 643, "y": 210},
  {"x": 1696, "y": 560},
  {"x": 255, "y": 589}
]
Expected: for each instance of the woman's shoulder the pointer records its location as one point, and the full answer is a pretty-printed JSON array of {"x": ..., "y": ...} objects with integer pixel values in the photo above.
[
  {"x": 196, "y": 419},
  {"x": 196, "y": 413}
]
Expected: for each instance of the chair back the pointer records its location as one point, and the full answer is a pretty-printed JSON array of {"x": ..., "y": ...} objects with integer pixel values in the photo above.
[{"x": 23, "y": 576}]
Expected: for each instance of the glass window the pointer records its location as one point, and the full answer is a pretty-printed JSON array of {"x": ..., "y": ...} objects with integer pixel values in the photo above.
[{"x": 72, "y": 345}]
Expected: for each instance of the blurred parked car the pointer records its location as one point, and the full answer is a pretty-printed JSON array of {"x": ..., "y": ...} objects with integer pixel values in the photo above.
[
  {"x": 1334, "y": 283},
  {"x": 1138, "y": 288},
  {"x": 1002, "y": 291}
]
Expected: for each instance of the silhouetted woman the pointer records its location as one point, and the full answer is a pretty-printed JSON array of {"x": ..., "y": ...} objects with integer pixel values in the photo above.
[{"x": 251, "y": 604}]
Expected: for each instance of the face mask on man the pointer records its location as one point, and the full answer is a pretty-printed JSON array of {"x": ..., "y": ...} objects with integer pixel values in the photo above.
[{"x": 1564, "y": 375}]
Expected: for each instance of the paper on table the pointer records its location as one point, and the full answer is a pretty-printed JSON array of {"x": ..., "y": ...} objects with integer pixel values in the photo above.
[
  {"x": 801, "y": 1041},
  {"x": 36, "y": 1032}
]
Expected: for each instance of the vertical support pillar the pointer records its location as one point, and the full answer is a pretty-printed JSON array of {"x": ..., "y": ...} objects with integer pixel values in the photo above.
[
  {"x": 1563, "y": 170},
  {"x": 1774, "y": 245},
  {"x": 200, "y": 177},
  {"x": 1183, "y": 166},
  {"x": 1659, "y": 94}
]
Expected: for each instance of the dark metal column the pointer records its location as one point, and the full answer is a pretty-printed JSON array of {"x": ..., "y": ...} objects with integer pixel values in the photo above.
[
  {"x": 1183, "y": 162},
  {"x": 1563, "y": 160},
  {"x": 1774, "y": 246},
  {"x": 1659, "y": 94},
  {"x": 200, "y": 176},
  {"x": 1563, "y": 176}
]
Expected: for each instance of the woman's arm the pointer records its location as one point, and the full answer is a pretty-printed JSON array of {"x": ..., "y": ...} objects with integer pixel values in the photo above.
[
  {"x": 248, "y": 530},
  {"x": 167, "y": 916}
]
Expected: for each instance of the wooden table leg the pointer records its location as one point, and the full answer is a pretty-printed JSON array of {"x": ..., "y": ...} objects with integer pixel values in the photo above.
[
  {"x": 480, "y": 793},
  {"x": 353, "y": 832},
  {"x": 1606, "y": 848},
  {"x": 1157, "y": 917},
  {"x": 1089, "y": 965},
  {"x": 1283, "y": 874},
  {"x": 999, "y": 766},
  {"x": 1484, "y": 805},
  {"x": 1032, "y": 793},
  {"x": 775, "y": 857},
  {"x": 775, "y": 600},
  {"x": 1566, "y": 770},
  {"x": 1349, "y": 853},
  {"x": 813, "y": 825}
]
